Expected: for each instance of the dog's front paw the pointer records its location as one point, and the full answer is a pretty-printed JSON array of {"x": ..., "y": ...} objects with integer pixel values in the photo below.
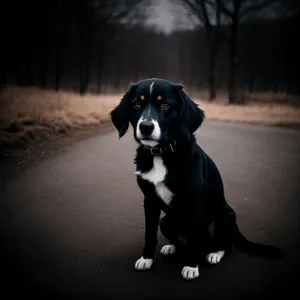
[
  {"x": 189, "y": 273},
  {"x": 143, "y": 264},
  {"x": 215, "y": 257},
  {"x": 168, "y": 250}
]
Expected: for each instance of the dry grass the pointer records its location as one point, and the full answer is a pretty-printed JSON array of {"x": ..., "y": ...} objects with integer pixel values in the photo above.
[
  {"x": 275, "y": 114},
  {"x": 268, "y": 108},
  {"x": 32, "y": 113},
  {"x": 255, "y": 98}
]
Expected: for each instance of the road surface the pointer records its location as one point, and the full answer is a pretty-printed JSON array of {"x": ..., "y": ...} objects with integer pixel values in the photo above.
[{"x": 73, "y": 225}]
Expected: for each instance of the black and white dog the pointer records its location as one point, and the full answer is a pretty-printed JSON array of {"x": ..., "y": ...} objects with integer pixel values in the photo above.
[{"x": 177, "y": 177}]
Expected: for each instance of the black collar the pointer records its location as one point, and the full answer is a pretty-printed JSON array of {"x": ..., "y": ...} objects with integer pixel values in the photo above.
[{"x": 157, "y": 151}]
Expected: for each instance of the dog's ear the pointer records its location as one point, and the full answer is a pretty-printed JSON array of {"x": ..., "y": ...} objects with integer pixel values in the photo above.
[
  {"x": 190, "y": 113},
  {"x": 120, "y": 115}
]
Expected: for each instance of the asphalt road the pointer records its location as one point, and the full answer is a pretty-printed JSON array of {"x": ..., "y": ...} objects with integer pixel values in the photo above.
[{"x": 72, "y": 226}]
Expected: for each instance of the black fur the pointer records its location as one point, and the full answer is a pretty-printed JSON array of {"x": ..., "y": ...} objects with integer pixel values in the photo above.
[
  {"x": 121, "y": 114},
  {"x": 192, "y": 177}
]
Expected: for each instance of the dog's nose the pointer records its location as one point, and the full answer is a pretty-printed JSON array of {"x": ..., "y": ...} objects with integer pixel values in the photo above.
[{"x": 146, "y": 128}]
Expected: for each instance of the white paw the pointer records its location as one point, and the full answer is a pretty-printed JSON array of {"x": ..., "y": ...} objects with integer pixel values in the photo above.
[
  {"x": 143, "y": 264},
  {"x": 168, "y": 250},
  {"x": 189, "y": 273},
  {"x": 215, "y": 257}
]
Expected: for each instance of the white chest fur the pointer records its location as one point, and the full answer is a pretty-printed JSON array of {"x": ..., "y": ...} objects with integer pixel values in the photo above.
[{"x": 157, "y": 176}]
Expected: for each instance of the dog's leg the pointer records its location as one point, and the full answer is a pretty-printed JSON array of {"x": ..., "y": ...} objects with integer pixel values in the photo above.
[
  {"x": 193, "y": 252},
  {"x": 152, "y": 214},
  {"x": 191, "y": 267},
  {"x": 215, "y": 257},
  {"x": 169, "y": 230},
  {"x": 197, "y": 240},
  {"x": 222, "y": 235}
]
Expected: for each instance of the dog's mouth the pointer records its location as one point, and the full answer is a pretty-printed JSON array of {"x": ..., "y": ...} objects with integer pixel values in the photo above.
[
  {"x": 149, "y": 142},
  {"x": 147, "y": 139}
]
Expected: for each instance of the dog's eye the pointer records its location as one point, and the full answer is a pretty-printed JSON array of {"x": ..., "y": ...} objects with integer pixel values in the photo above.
[
  {"x": 165, "y": 106},
  {"x": 137, "y": 105}
]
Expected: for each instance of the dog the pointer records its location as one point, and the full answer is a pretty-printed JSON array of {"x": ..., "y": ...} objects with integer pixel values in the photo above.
[{"x": 179, "y": 179}]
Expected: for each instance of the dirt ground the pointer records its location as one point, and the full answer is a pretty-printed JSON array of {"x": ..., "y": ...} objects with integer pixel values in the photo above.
[
  {"x": 15, "y": 160},
  {"x": 72, "y": 224}
]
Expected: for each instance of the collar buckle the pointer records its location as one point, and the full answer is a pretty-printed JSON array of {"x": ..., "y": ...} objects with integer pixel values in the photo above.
[{"x": 155, "y": 152}]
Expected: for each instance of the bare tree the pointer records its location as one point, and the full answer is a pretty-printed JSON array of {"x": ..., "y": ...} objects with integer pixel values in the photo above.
[
  {"x": 104, "y": 15},
  {"x": 204, "y": 11},
  {"x": 288, "y": 8},
  {"x": 109, "y": 54},
  {"x": 209, "y": 13},
  {"x": 236, "y": 10}
]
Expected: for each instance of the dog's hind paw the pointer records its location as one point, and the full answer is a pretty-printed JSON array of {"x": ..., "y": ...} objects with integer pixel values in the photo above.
[
  {"x": 189, "y": 273},
  {"x": 168, "y": 250},
  {"x": 143, "y": 264},
  {"x": 215, "y": 257}
]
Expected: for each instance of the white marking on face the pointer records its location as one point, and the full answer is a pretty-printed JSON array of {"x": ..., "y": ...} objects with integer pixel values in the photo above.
[
  {"x": 143, "y": 264},
  {"x": 215, "y": 257},
  {"x": 155, "y": 135},
  {"x": 157, "y": 176},
  {"x": 156, "y": 132},
  {"x": 148, "y": 111},
  {"x": 149, "y": 106},
  {"x": 149, "y": 143},
  {"x": 189, "y": 273},
  {"x": 138, "y": 132},
  {"x": 168, "y": 250},
  {"x": 151, "y": 88}
]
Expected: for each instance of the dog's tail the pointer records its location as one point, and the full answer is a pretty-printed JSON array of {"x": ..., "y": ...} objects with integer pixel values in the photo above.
[{"x": 256, "y": 249}]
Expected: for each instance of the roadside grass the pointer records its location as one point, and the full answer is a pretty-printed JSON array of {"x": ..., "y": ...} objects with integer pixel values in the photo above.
[{"x": 36, "y": 114}]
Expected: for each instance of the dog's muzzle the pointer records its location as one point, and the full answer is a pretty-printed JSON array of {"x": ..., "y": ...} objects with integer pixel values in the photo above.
[
  {"x": 148, "y": 132},
  {"x": 146, "y": 128}
]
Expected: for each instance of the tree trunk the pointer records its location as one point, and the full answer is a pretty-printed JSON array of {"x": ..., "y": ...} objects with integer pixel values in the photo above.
[
  {"x": 58, "y": 64},
  {"x": 232, "y": 94},
  {"x": 58, "y": 44},
  {"x": 84, "y": 50},
  {"x": 213, "y": 37},
  {"x": 27, "y": 75},
  {"x": 212, "y": 74},
  {"x": 43, "y": 67},
  {"x": 83, "y": 85},
  {"x": 18, "y": 71},
  {"x": 87, "y": 71},
  {"x": 84, "y": 72},
  {"x": 251, "y": 83},
  {"x": 99, "y": 81},
  {"x": 3, "y": 73},
  {"x": 42, "y": 61}
]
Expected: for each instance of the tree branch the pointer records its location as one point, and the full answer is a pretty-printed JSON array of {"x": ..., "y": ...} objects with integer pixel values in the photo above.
[
  {"x": 195, "y": 9},
  {"x": 224, "y": 9},
  {"x": 257, "y": 7},
  {"x": 205, "y": 14}
]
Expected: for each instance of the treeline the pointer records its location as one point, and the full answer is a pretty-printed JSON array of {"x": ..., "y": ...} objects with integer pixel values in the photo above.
[{"x": 87, "y": 46}]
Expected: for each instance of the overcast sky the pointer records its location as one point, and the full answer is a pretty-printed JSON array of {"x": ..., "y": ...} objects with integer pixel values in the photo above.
[{"x": 166, "y": 17}]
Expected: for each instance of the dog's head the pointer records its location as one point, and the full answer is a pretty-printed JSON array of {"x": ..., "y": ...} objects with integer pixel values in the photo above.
[{"x": 159, "y": 111}]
